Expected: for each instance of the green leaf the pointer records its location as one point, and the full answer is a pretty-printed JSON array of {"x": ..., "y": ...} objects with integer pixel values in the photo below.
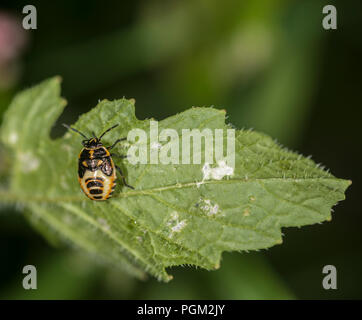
[{"x": 174, "y": 216}]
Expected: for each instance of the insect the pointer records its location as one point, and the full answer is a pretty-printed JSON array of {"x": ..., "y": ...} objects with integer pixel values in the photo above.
[{"x": 96, "y": 169}]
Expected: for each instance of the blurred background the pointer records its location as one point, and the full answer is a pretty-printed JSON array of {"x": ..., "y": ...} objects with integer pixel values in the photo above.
[{"x": 270, "y": 64}]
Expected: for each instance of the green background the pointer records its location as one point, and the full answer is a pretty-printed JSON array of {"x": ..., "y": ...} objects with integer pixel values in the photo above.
[{"x": 270, "y": 64}]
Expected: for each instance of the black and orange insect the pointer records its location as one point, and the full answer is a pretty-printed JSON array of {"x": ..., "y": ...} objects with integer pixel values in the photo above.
[{"x": 96, "y": 169}]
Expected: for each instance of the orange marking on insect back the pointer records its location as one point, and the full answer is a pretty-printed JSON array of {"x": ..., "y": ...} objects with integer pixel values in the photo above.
[
  {"x": 110, "y": 188},
  {"x": 80, "y": 153},
  {"x": 91, "y": 153}
]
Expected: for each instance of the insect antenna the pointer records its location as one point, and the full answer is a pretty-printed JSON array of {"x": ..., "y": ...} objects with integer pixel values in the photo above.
[
  {"x": 75, "y": 130},
  {"x": 116, "y": 125}
]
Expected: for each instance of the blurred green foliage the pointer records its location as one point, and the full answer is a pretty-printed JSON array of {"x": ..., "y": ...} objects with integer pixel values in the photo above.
[{"x": 268, "y": 63}]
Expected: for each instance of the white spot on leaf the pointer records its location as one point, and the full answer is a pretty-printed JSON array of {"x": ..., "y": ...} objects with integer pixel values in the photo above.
[
  {"x": 13, "y": 138},
  {"x": 218, "y": 172},
  {"x": 179, "y": 226},
  {"x": 174, "y": 224},
  {"x": 28, "y": 162},
  {"x": 208, "y": 207}
]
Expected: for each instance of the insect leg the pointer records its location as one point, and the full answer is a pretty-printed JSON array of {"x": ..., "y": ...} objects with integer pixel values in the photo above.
[
  {"x": 114, "y": 144},
  {"x": 123, "y": 178}
]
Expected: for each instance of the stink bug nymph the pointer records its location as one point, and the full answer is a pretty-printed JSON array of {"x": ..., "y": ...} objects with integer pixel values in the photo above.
[{"x": 96, "y": 169}]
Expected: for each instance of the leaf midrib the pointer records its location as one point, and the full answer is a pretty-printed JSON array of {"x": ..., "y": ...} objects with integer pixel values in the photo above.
[{"x": 24, "y": 198}]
